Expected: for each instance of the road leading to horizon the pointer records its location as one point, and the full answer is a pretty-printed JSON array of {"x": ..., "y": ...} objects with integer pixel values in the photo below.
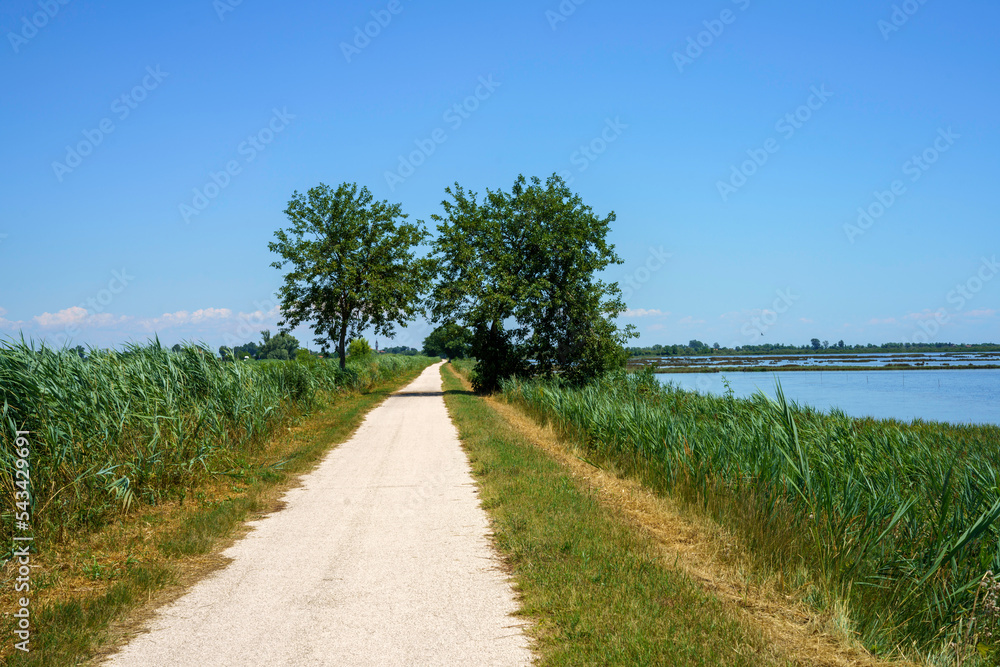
[{"x": 381, "y": 557}]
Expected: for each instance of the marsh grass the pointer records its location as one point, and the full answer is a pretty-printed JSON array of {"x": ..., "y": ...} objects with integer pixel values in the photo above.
[
  {"x": 143, "y": 424},
  {"x": 897, "y": 522},
  {"x": 92, "y": 589},
  {"x": 596, "y": 589}
]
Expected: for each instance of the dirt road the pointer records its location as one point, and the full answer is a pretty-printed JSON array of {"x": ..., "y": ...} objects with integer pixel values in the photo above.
[{"x": 381, "y": 557}]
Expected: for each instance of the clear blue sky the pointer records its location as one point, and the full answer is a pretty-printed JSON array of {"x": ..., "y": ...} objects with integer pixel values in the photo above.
[{"x": 712, "y": 255}]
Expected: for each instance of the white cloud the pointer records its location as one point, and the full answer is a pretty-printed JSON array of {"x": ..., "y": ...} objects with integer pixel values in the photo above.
[
  {"x": 183, "y": 317},
  {"x": 690, "y": 321},
  {"x": 5, "y": 323},
  {"x": 210, "y": 314},
  {"x": 926, "y": 314},
  {"x": 642, "y": 312},
  {"x": 77, "y": 316},
  {"x": 63, "y": 318}
]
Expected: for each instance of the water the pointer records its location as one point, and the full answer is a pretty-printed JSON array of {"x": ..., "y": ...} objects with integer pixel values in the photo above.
[
  {"x": 956, "y": 396},
  {"x": 876, "y": 359}
]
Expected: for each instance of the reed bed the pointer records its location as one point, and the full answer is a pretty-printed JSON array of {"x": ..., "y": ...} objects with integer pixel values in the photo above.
[
  {"x": 898, "y": 520},
  {"x": 141, "y": 424}
]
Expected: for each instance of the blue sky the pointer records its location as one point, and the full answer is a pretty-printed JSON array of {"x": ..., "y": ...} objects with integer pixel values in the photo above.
[{"x": 735, "y": 140}]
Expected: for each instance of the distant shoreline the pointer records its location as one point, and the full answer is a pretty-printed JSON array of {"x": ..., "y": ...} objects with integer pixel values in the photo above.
[{"x": 815, "y": 369}]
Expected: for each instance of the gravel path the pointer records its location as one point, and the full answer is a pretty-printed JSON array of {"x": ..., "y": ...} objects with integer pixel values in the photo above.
[{"x": 381, "y": 557}]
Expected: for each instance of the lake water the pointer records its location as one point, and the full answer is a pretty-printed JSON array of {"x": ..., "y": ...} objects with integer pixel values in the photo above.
[
  {"x": 956, "y": 396},
  {"x": 829, "y": 360}
]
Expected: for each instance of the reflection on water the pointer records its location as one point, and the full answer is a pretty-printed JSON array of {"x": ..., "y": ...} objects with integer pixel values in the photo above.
[{"x": 957, "y": 396}]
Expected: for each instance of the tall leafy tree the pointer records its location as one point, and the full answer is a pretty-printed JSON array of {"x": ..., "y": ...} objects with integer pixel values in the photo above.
[
  {"x": 519, "y": 269},
  {"x": 351, "y": 265},
  {"x": 283, "y": 346},
  {"x": 449, "y": 340}
]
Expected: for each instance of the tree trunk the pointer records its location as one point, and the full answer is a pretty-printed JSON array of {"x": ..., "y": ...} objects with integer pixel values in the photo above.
[{"x": 342, "y": 346}]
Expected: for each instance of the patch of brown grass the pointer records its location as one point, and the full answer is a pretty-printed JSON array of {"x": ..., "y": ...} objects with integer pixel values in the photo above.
[
  {"x": 86, "y": 566},
  {"x": 709, "y": 555}
]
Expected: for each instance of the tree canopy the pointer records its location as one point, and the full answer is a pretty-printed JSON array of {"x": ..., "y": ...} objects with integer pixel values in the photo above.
[
  {"x": 282, "y": 346},
  {"x": 450, "y": 340},
  {"x": 352, "y": 265},
  {"x": 518, "y": 268}
]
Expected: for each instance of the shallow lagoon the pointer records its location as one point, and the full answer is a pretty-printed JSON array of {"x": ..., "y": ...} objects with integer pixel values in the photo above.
[{"x": 956, "y": 396}]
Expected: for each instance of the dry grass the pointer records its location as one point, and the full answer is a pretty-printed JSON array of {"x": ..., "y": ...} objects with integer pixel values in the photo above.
[
  {"x": 86, "y": 568},
  {"x": 710, "y": 556}
]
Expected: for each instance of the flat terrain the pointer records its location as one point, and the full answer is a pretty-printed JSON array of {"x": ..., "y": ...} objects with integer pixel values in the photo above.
[
  {"x": 826, "y": 361},
  {"x": 381, "y": 556}
]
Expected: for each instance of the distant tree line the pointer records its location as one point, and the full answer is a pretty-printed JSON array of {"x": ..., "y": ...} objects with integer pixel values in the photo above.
[
  {"x": 815, "y": 346},
  {"x": 403, "y": 350},
  {"x": 282, "y": 347}
]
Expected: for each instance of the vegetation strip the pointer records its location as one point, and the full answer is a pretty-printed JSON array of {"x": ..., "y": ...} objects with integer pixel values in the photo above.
[
  {"x": 713, "y": 557},
  {"x": 819, "y": 369},
  {"x": 97, "y": 587},
  {"x": 895, "y": 520},
  {"x": 598, "y": 589}
]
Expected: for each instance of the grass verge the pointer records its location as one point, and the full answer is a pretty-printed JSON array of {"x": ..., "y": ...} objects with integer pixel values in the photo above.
[
  {"x": 597, "y": 589},
  {"x": 888, "y": 525},
  {"x": 93, "y": 591}
]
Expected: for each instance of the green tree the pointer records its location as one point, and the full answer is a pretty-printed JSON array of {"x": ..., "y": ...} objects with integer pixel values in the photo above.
[
  {"x": 449, "y": 340},
  {"x": 815, "y": 343},
  {"x": 359, "y": 348},
  {"x": 282, "y": 346},
  {"x": 518, "y": 268},
  {"x": 352, "y": 265},
  {"x": 403, "y": 350}
]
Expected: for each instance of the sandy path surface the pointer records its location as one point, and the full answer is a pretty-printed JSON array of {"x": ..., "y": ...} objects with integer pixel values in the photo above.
[{"x": 381, "y": 557}]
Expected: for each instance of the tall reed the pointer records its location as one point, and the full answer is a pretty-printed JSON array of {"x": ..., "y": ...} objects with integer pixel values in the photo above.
[
  {"x": 898, "y": 519},
  {"x": 121, "y": 427}
]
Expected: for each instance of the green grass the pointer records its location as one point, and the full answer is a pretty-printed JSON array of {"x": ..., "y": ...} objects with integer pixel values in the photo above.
[
  {"x": 140, "y": 425},
  {"x": 596, "y": 588},
  {"x": 70, "y": 628},
  {"x": 899, "y": 520},
  {"x": 66, "y": 632}
]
